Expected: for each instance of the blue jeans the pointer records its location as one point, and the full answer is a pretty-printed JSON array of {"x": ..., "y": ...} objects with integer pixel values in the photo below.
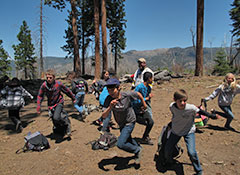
[
  {"x": 125, "y": 141},
  {"x": 79, "y": 101},
  {"x": 149, "y": 108},
  {"x": 106, "y": 122},
  {"x": 145, "y": 119},
  {"x": 190, "y": 143},
  {"x": 227, "y": 114}
]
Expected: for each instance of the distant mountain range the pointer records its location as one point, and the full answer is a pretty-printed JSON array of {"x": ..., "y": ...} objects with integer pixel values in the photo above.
[{"x": 156, "y": 59}]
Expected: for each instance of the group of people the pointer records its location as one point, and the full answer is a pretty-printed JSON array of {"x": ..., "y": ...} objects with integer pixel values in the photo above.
[{"x": 131, "y": 107}]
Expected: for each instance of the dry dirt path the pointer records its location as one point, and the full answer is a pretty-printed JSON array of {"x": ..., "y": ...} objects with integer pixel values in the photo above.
[{"x": 218, "y": 150}]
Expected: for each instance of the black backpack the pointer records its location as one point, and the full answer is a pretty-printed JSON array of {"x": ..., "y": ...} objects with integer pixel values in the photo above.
[
  {"x": 162, "y": 140},
  {"x": 35, "y": 142},
  {"x": 107, "y": 140}
]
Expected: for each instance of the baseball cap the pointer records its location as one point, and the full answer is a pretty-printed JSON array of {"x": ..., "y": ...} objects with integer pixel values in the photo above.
[
  {"x": 112, "y": 82},
  {"x": 141, "y": 60}
]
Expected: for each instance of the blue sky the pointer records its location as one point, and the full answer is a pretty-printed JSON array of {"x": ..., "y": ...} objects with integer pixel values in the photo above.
[{"x": 151, "y": 24}]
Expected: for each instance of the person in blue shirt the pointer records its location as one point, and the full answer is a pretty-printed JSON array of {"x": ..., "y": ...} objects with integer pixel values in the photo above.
[{"x": 144, "y": 117}]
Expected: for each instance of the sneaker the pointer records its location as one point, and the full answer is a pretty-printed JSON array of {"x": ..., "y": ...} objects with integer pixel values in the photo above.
[
  {"x": 138, "y": 156},
  {"x": 99, "y": 122},
  {"x": 147, "y": 140},
  {"x": 69, "y": 131},
  {"x": 83, "y": 115},
  {"x": 19, "y": 127},
  {"x": 213, "y": 111}
]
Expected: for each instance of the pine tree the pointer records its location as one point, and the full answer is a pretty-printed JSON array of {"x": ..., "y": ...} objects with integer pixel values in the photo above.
[
  {"x": 60, "y": 5},
  {"x": 116, "y": 24},
  {"x": 97, "y": 39},
  {"x": 24, "y": 52},
  {"x": 199, "y": 46},
  {"x": 222, "y": 66},
  {"x": 235, "y": 16},
  {"x": 5, "y": 67},
  {"x": 85, "y": 30}
]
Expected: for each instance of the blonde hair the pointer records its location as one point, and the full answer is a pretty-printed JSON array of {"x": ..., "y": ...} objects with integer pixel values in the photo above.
[
  {"x": 50, "y": 72},
  {"x": 233, "y": 85},
  {"x": 180, "y": 94}
]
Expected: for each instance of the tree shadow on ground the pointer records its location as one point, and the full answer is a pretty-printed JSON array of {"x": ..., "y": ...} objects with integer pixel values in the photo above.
[
  {"x": 120, "y": 162},
  {"x": 218, "y": 128},
  {"x": 177, "y": 167}
]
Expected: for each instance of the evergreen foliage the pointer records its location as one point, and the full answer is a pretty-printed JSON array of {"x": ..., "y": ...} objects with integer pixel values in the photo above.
[
  {"x": 5, "y": 67},
  {"x": 222, "y": 66},
  {"x": 235, "y": 16},
  {"x": 85, "y": 28},
  {"x": 24, "y": 52},
  {"x": 116, "y": 24}
]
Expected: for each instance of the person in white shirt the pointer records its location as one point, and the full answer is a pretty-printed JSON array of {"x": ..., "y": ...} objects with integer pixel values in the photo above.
[{"x": 138, "y": 75}]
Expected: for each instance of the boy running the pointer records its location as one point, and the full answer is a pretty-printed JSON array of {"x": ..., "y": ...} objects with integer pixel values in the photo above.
[
  {"x": 145, "y": 117},
  {"x": 120, "y": 104},
  {"x": 53, "y": 88}
]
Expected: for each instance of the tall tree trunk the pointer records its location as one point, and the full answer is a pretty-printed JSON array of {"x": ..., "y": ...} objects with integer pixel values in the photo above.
[
  {"x": 83, "y": 41},
  {"x": 115, "y": 60},
  {"x": 199, "y": 49},
  {"x": 104, "y": 35},
  {"x": 41, "y": 42},
  {"x": 77, "y": 67},
  {"x": 25, "y": 73},
  {"x": 83, "y": 53},
  {"x": 97, "y": 39}
]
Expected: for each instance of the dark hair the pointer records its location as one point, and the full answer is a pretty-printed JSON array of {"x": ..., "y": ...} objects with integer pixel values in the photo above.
[
  {"x": 146, "y": 76},
  {"x": 103, "y": 73},
  {"x": 179, "y": 94},
  {"x": 14, "y": 82}
]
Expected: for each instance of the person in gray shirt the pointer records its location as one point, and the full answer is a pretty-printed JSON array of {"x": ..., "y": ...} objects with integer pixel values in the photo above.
[
  {"x": 225, "y": 92},
  {"x": 183, "y": 115},
  {"x": 121, "y": 106}
]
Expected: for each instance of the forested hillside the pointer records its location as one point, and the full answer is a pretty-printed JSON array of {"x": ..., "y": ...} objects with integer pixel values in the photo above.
[{"x": 156, "y": 59}]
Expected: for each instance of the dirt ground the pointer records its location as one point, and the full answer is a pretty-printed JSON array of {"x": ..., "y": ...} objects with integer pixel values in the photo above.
[{"x": 218, "y": 149}]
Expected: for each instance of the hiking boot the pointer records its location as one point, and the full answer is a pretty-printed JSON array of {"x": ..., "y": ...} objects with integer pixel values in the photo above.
[
  {"x": 69, "y": 131},
  {"x": 138, "y": 156},
  {"x": 19, "y": 127},
  {"x": 83, "y": 116},
  {"x": 147, "y": 141}
]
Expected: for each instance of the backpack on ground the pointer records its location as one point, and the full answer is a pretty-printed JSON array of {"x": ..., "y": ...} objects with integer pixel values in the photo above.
[
  {"x": 35, "y": 142},
  {"x": 107, "y": 140},
  {"x": 162, "y": 140}
]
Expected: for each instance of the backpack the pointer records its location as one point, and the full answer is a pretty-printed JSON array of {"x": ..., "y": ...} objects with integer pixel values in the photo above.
[
  {"x": 162, "y": 140},
  {"x": 201, "y": 120},
  {"x": 78, "y": 85},
  {"x": 107, "y": 140},
  {"x": 35, "y": 142}
]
